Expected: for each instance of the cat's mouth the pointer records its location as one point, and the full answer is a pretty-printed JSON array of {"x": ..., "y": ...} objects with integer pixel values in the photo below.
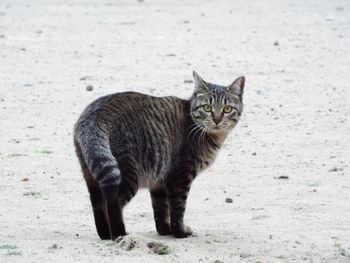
[
  {"x": 216, "y": 129},
  {"x": 221, "y": 127}
]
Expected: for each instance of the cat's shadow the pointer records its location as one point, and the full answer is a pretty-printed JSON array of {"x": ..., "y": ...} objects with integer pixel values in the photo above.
[{"x": 156, "y": 236}]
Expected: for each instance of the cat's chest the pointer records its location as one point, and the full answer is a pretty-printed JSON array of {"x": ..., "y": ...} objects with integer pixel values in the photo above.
[
  {"x": 207, "y": 153},
  {"x": 205, "y": 159}
]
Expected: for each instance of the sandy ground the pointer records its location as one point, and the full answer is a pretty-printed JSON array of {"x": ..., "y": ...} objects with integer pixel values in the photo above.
[{"x": 296, "y": 58}]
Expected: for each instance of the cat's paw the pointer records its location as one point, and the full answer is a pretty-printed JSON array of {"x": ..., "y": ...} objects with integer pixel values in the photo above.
[
  {"x": 163, "y": 229},
  {"x": 104, "y": 235},
  {"x": 181, "y": 231},
  {"x": 103, "y": 231},
  {"x": 119, "y": 232}
]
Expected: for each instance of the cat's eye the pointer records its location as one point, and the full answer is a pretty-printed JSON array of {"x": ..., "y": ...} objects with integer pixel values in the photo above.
[
  {"x": 207, "y": 108},
  {"x": 227, "y": 109}
]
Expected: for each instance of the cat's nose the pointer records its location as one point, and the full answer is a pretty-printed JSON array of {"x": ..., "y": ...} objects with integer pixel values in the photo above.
[{"x": 217, "y": 120}]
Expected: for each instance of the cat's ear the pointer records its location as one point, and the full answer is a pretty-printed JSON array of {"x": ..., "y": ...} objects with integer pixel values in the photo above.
[
  {"x": 237, "y": 87},
  {"x": 199, "y": 83}
]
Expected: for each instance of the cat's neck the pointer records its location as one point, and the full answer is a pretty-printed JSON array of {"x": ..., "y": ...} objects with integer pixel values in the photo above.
[{"x": 218, "y": 138}]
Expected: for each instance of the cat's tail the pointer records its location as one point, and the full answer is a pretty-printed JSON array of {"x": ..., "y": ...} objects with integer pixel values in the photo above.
[{"x": 91, "y": 139}]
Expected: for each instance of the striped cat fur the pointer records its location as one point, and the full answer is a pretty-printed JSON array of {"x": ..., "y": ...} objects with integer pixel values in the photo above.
[{"x": 126, "y": 141}]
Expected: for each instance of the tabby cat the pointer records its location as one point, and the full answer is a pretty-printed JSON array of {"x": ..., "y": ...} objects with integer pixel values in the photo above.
[{"x": 126, "y": 141}]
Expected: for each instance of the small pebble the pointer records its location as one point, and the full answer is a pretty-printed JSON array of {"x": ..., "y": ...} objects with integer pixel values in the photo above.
[
  {"x": 254, "y": 153},
  {"x": 335, "y": 169},
  {"x": 85, "y": 78},
  {"x": 276, "y": 43},
  {"x": 188, "y": 81},
  {"x": 228, "y": 200},
  {"x": 283, "y": 177},
  {"x": 89, "y": 87}
]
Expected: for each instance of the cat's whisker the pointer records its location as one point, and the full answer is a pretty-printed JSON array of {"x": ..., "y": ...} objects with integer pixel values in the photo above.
[
  {"x": 190, "y": 127},
  {"x": 202, "y": 136},
  {"x": 193, "y": 127},
  {"x": 200, "y": 129},
  {"x": 189, "y": 135},
  {"x": 197, "y": 127}
]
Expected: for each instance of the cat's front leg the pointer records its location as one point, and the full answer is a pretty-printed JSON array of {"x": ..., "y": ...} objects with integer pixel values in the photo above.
[
  {"x": 160, "y": 204},
  {"x": 178, "y": 188}
]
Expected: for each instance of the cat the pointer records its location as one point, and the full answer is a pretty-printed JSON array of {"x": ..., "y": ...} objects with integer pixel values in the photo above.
[{"x": 126, "y": 141}]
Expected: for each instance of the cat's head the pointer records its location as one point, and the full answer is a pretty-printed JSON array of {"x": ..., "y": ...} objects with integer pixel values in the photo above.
[{"x": 214, "y": 108}]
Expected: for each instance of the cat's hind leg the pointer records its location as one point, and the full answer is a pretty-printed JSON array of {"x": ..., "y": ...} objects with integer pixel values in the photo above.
[
  {"x": 118, "y": 191},
  {"x": 160, "y": 206},
  {"x": 105, "y": 203},
  {"x": 99, "y": 209},
  {"x": 114, "y": 210},
  {"x": 98, "y": 202}
]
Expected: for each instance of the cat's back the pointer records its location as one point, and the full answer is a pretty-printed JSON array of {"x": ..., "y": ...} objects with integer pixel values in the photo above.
[
  {"x": 130, "y": 103},
  {"x": 133, "y": 110},
  {"x": 134, "y": 102},
  {"x": 134, "y": 114}
]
